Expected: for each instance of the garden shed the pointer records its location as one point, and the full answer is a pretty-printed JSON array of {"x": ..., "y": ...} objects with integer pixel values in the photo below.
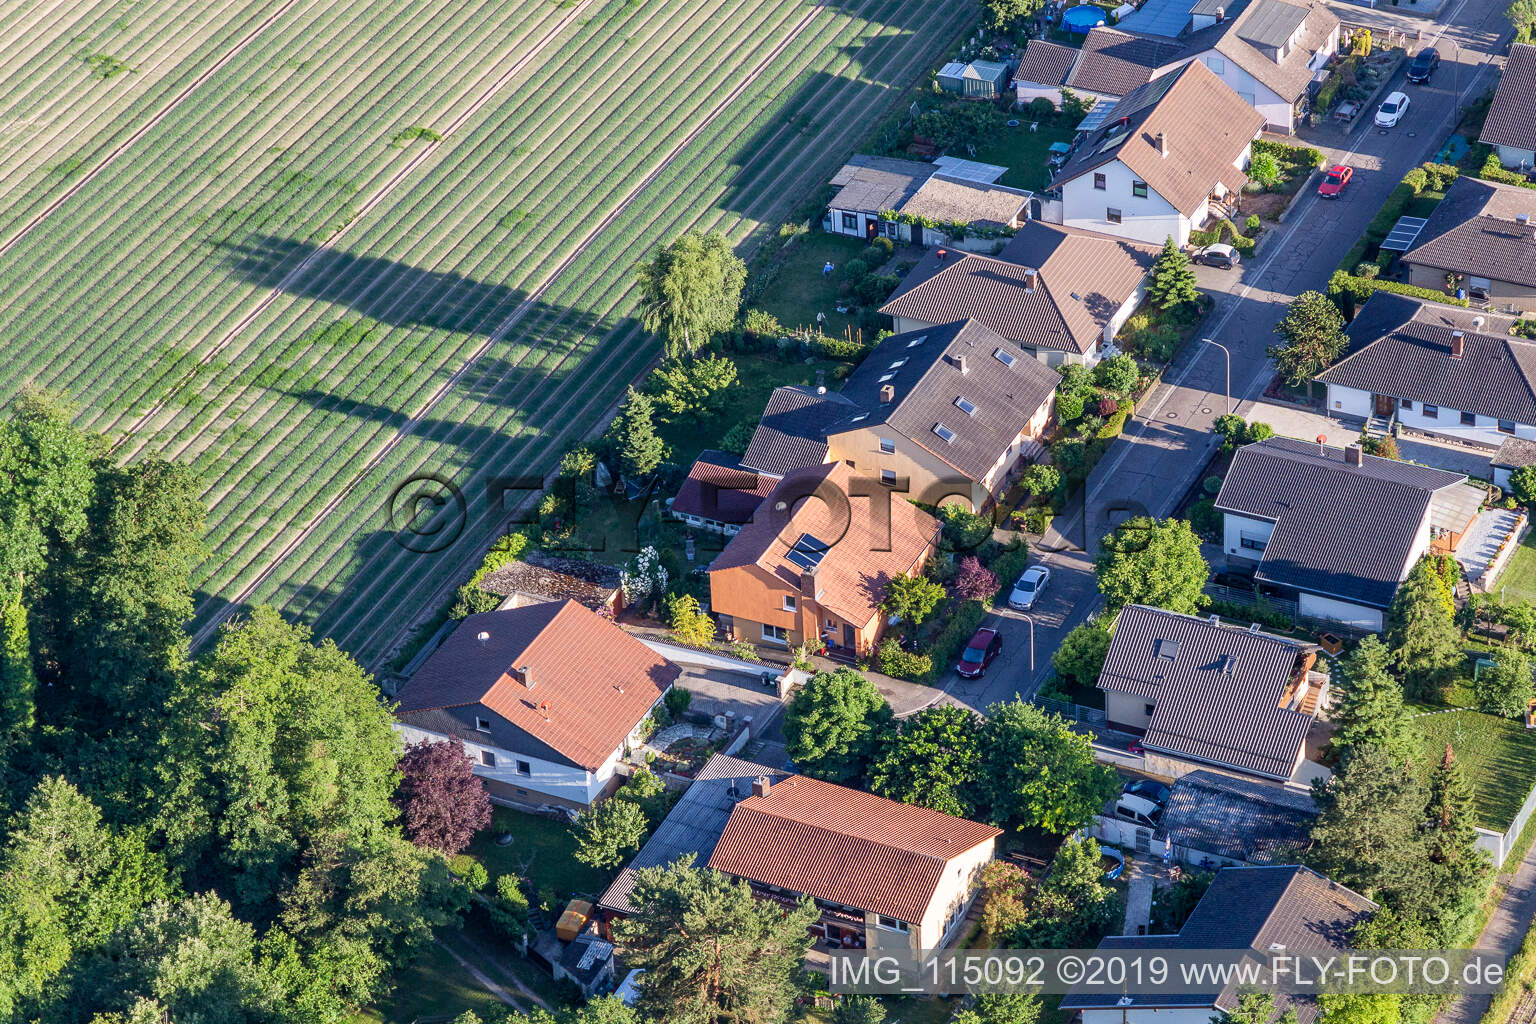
[
  {"x": 984, "y": 79},
  {"x": 952, "y": 77}
]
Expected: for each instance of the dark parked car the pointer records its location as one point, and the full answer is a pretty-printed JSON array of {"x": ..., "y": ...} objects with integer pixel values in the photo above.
[
  {"x": 1148, "y": 789},
  {"x": 1423, "y": 65},
  {"x": 978, "y": 654},
  {"x": 1218, "y": 255},
  {"x": 1233, "y": 579}
]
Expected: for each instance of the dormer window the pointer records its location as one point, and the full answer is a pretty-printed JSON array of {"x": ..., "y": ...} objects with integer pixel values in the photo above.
[{"x": 482, "y": 724}]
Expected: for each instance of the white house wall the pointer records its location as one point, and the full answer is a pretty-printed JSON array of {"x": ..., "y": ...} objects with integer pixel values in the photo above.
[
  {"x": 1357, "y": 616},
  {"x": 1149, "y": 1015},
  {"x": 1232, "y": 530},
  {"x": 1349, "y": 401},
  {"x": 1150, "y": 219},
  {"x": 1517, "y": 159},
  {"x": 555, "y": 780}
]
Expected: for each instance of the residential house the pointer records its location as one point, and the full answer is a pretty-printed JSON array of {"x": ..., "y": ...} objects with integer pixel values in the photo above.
[
  {"x": 1335, "y": 529},
  {"x": 928, "y": 201},
  {"x": 1199, "y": 692},
  {"x": 1058, "y": 293},
  {"x": 538, "y": 577},
  {"x": 1164, "y": 160},
  {"x": 950, "y": 202},
  {"x": 1212, "y": 819},
  {"x": 1246, "y": 908},
  {"x": 1110, "y": 64},
  {"x": 882, "y": 873},
  {"x": 868, "y": 186},
  {"x": 720, "y": 494},
  {"x": 1482, "y": 231},
  {"x": 1511, "y": 122},
  {"x": 1435, "y": 369},
  {"x": 945, "y": 412},
  {"x": 544, "y": 698},
  {"x": 817, "y": 569},
  {"x": 1515, "y": 453}
]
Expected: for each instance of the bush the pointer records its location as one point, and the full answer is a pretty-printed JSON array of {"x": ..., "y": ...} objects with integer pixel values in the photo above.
[
  {"x": 1041, "y": 109},
  {"x": 1252, "y": 224},
  {"x": 762, "y": 324},
  {"x": 1368, "y": 271},
  {"x": 880, "y": 248},
  {"x": 855, "y": 269},
  {"x": 964, "y": 530},
  {"x": 874, "y": 289},
  {"x": 1383, "y": 447},
  {"x": 509, "y": 907},
  {"x": 1440, "y": 176},
  {"x": 1211, "y": 485},
  {"x": 1205, "y": 520},
  {"x": 1264, "y": 169},
  {"x": 1037, "y": 518},
  {"x": 1118, "y": 374},
  {"x": 1416, "y": 179},
  {"x": 1258, "y": 432},
  {"x": 469, "y": 871},
  {"x": 837, "y": 348},
  {"x": 738, "y": 438},
  {"x": 891, "y": 659},
  {"x": 1068, "y": 406},
  {"x": 677, "y": 701},
  {"x": 1232, "y": 428}
]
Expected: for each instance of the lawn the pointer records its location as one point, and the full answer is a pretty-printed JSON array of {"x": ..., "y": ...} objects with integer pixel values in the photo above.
[
  {"x": 1498, "y": 754},
  {"x": 544, "y": 850},
  {"x": 1518, "y": 581},
  {"x": 1024, "y": 152},
  {"x": 435, "y": 985},
  {"x": 798, "y": 289}
]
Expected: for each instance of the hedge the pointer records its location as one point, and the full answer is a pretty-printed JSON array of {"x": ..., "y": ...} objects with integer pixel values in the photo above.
[
  {"x": 1288, "y": 153},
  {"x": 1115, "y": 425},
  {"x": 1357, "y": 289},
  {"x": 893, "y": 661},
  {"x": 1492, "y": 170},
  {"x": 1010, "y": 565},
  {"x": 963, "y": 620}
]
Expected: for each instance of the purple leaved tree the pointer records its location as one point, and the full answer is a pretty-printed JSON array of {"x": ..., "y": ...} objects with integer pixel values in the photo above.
[
  {"x": 442, "y": 804},
  {"x": 974, "y": 581}
]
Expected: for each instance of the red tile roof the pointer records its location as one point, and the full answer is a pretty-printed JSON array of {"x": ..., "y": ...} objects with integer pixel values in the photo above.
[
  {"x": 845, "y": 845},
  {"x": 720, "y": 488},
  {"x": 592, "y": 682}
]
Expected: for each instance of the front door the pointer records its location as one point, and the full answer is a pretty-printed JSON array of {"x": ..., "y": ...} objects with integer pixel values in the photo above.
[
  {"x": 871, "y": 227},
  {"x": 1385, "y": 405},
  {"x": 850, "y": 637}
]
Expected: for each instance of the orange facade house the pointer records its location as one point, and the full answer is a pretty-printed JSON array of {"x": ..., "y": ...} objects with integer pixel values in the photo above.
[{"x": 816, "y": 559}]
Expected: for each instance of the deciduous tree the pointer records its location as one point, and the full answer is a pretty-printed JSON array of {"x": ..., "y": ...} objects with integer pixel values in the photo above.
[
  {"x": 442, "y": 804},
  {"x": 693, "y": 388},
  {"x": 1038, "y": 772},
  {"x": 912, "y": 598},
  {"x": 689, "y": 622},
  {"x": 711, "y": 949},
  {"x": 607, "y": 833},
  {"x": 1312, "y": 338},
  {"x": 1154, "y": 562},
  {"x": 1504, "y": 688},
  {"x": 974, "y": 581},
  {"x": 1080, "y": 658},
  {"x": 833, "y": 724},
  {"x": 691, "y": 290},
  {"x": 934, "y": 760}
]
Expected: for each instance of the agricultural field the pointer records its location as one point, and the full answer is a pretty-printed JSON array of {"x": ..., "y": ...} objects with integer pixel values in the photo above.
[{"x": 358, "y": 245}]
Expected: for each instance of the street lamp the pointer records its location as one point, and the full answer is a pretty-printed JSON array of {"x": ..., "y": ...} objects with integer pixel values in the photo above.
[
  {"x": 1223, "y": 348},
  {"x": 1031, "y": 620}
]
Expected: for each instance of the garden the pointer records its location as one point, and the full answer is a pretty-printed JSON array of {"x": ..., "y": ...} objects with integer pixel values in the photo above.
[
  {"x": 1354, "y": 77},
  {"x": 1499, "y": 756}
]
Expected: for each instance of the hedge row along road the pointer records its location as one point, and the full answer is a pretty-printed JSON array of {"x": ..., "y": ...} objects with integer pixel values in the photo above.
[{"x": 384, "y": 238}]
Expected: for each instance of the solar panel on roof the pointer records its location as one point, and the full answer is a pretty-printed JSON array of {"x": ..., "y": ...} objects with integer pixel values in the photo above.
[
  {"x": 1403, "y": 234},
  {"x": 808, "y": 552}
]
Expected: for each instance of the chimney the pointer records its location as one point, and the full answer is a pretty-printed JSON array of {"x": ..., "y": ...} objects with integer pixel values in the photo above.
[
  {"x": 1221, "y": 15},
  {"x": 808, "y": 587},
  {"x": 1160, "y": 141},
  {"x": 1352, "y": 454},
  {"x": 761, "y": 785},
  {"x": 527, "y": 674},
  {"x": 957, "y": 360},
  {"x": 941, "y": 253},
  {"x": 887, "y": 394},
  {"x": 1458, "y": 344},
  {"x": 1522, "y": 218}
]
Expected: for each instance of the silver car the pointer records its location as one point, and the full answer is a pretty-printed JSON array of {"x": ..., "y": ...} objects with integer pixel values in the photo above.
[{"x": 1027, "y": 590}]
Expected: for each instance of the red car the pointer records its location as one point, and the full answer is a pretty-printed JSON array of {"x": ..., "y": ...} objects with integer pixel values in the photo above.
[
  {"x": 978, "y": 654},
  {"x": 1334, "y": 181}
]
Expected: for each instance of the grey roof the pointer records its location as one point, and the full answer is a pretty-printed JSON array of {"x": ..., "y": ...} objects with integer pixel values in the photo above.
[
  {"x": 792, "y": 432},
  {"x": 1251, "y": 908},
  {"x": 1162, "y": 17},
  {"x": 1512, "y": 116},
  {"x": 1113, "y": 62},
  {"x": 943, "y": 198},
  {"x": 1236, "y": 818},
  {"x": 1216, "y": 694},
  {"x": 1473, "y": 231},
  {"x": 694, "y": 824},
  {"x": 1245, "y": 41},
  {"x": 1084, "y": 278},
  {"x": 1045, "y": 62},
  {"x": 1340, "y": 530},
  {"x": 869, "y": 184},
  {"x": 1401, "y": 347},
  {"x": 1514, "y": 453},
  {"x": 987, "y": 71},
  {"x": 1271, "y": 22},
  {"x": 928, "y": 387}
]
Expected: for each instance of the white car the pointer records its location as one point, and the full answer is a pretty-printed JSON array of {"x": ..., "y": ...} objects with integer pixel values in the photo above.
[
  {"x": 1028, "y": 588},
  {"x": 1392, "y": 110}
]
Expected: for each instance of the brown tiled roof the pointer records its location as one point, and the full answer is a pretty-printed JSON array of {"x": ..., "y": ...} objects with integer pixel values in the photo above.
[
  {"x": 1084, "y": 278},
  {"x": 949, "y": 199},
  {"x": 862, "y": 557},
  {"x": 1512, "y": 116},
  {"x": 927, "y": 386},
  {"x": 719, "y": 487},
  {"x": 869, "y": 184},
  {"x": 792, "y": 432},
  {"x": 845, "y": 845},
  {"x": 592, "y": 682},
  {"x": 1473, "y": 231},
  {"x": 1247, "y": 40},
  {"x": 1045, "y": 62},
  {"x": 1207, "y": 125},
  {"x": 1115, "y": 62},
  {"x": 555, "y": 579}
]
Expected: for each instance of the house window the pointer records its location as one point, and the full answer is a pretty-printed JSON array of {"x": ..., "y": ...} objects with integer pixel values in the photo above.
[
  {"x": 1469, "y": 419},
  {"x": 850, "y": 222},
  {"x": 483, "y": 724},
  {"x": 888, "y": 227},
  {"x": 1506, "y": 426},
  {"x": 1252, "y": 541},
  {"x": 1139, "y": 189},
  {"x": 887, "y": 445},
  {"x": 888, "y": 477},
  {"x": 1099, "y": 182},
  {"x": 1149, "y": 708},
  {"x": 1216, "y": 64},
  {"x": 1006, "y": 358},
  {"x": 1407, "y": 403},
  {"x": 1431, "y": 412},
  {"x": 789, "y": 602},
  {"x": 775, "y": 634},
  {"x": 524, "y": 768},
  {"x": 1112, "y": 215},
  {"x": 893, "y": 925},
  {"x": 488, "y": 759},
  {"x": 965, "y": 406}
]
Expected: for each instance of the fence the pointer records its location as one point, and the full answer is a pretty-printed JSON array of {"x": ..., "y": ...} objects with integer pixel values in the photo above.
[{"x": 1080, "y": 713}]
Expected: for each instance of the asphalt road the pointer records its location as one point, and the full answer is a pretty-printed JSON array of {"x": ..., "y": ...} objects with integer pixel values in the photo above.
[{"x": 1168, "y": 443}]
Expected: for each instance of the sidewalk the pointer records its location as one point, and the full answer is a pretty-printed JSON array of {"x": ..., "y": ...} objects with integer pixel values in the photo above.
[{"x": 1504, "y": 933}]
